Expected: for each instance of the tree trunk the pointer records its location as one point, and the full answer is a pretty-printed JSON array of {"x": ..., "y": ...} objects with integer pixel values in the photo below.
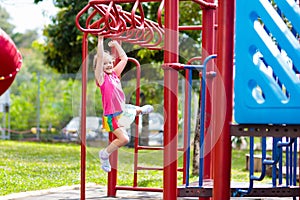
[
  {"x": 196, "y": 142},
  {"x": 144, "y": 139}
]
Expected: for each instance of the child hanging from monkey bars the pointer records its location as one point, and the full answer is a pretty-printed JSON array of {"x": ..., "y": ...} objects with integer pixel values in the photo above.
[{"x": 116, "y": 114}]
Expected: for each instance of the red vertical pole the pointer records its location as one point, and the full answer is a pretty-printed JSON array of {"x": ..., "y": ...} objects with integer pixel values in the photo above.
[
  {"x": 136, "y": 136},
  {"x": 223, "y": 85},
  {"x": 112, "y": 175},
  {"x": 83, "y": 115},
  {"x": 171, "y": 100},
  {"x": 113, "y": 159},
  {"x": 208, "y": 48}
]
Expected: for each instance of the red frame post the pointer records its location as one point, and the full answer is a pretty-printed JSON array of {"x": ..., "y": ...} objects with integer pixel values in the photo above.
[
  {"x": 83, "y": 114},
  {"x": 208, "y": 48},
  {"x": 171, "y": 100},
  {"x": 112, "y": 175},
  {"x": 222, "y": 149}
]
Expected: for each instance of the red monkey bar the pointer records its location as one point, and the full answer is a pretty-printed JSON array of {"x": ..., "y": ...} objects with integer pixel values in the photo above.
[{"x": 111, "y": 21}]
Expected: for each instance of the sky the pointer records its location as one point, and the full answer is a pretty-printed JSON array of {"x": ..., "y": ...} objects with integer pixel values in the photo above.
[{"x": 25, "y": 15}]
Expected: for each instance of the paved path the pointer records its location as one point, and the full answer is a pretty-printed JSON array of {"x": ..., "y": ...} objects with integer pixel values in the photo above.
[{"x": 95, "y": 192}]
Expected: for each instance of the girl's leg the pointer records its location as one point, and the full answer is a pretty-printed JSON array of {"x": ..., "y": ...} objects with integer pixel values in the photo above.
[
  {"x": 146, "y": 109},
  {"x": 121, "y": 140}
]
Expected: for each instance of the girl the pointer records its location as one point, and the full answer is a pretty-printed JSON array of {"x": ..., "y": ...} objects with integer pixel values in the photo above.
[{"x": 116, "y": 114}]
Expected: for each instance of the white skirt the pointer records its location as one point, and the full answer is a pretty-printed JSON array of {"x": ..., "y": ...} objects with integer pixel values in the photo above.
[{"x": 128, "y": 116}]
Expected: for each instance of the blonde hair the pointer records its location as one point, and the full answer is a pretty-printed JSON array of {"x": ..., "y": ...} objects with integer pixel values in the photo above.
[{"x": 106, "y": 55}]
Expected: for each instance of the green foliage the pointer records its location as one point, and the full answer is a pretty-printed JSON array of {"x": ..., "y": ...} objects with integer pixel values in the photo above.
[
  {"x": 63, "y": 47},
  {"x": 21, "y": 40},
  {"x": 36, "y": 82},
  {"x": 25, "y": 40},
  {"x": 4, "y": 24}
]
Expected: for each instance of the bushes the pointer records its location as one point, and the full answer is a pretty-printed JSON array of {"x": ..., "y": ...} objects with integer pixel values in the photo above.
[{"x": 49, "y": 101}]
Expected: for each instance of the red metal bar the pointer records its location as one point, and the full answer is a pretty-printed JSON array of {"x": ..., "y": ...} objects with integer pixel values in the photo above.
[
  {"x": 137, "y": 102},
  {"x": 190, "y": 28},
  {"x": 150, "y": 168},
  {"x": 171, "y": 100},
  {"x": 206, "y": 4},
  {"x": 208, "y": 48},
  {"x": 155, "y": 148},
  {"x": 113, "y": 24},
  {"x": 190, "y": 61},
  {"x": 137, "y": 5},
  {"x": 185, "y": 127},
  {"x": 159, "y": 13},
  {"x": 149, "y": 148},
  {"x": 83, "y": 115},
  {"x": 139, "y": 189},
  {"x": 223, "y": 85},
  {"x": 113, "y": 159},
  {"x": 113, "y": 174}
]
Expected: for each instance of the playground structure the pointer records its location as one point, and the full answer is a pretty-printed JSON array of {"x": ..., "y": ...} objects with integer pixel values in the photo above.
[
  {"x": 11, "y": 61},
  {"x": 266, "y": 90}
]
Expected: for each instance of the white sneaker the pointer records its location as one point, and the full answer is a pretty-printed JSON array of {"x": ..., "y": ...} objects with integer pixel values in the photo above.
[
  {"x": 104, "y": 161},
  {"x": 146, "y": 109}
]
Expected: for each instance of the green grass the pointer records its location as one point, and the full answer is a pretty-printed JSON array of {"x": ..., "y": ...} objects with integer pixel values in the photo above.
[{"x": 27, "y": 166}]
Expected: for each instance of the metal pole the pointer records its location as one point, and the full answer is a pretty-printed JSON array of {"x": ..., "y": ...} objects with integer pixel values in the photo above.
[
  {"x": 8, "y": 136},
  {"x": 3, "y": 128},
  {"x": 38, "y": 108},
  {"x": 222, "y": 150},
  {"x": 171, "y": 100},
  {"x": 208, "y": 48},
  {"x": 83, "y": 114}
]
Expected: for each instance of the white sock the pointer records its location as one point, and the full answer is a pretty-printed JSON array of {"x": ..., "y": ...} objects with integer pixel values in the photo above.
[{"x": 105, "y": 154}]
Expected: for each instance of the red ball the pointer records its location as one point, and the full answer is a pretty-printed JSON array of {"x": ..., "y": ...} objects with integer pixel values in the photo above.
[{"x": 10, "y": 61}]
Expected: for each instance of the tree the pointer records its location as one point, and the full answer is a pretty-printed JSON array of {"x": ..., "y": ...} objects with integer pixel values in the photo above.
[
  {"x": 4, "y": 21},
  {"x": 20, "y": 39},
  {"x": 62, "y": 49},
  {"x": 25, "y": 40}
]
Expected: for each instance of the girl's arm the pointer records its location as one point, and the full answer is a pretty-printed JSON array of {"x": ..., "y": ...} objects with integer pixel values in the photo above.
[
  {"x": 99, "y": 73},
  {"x": 122, "y": 55}
]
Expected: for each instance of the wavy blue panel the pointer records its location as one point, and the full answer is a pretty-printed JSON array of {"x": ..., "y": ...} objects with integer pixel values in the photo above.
[{"x": 267, "y": 62}]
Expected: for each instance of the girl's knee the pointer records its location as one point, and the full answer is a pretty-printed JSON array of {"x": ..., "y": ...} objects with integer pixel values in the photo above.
[
  {"x": 123, "y": 136},
  {"x": 125, "y": 139}
]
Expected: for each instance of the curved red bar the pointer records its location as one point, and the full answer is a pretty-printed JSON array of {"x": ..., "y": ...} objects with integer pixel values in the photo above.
[
  {"x": 206, "y": 4},
  {"x": 121, "y": 25},
  {"x": 112, "y": 17},
  {"x": 160, "y": 8},
  {"x": 137, "y": 5}
]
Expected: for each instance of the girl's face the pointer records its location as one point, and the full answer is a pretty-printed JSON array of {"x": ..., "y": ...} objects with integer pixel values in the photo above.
[{"x": 108, "y": 66}]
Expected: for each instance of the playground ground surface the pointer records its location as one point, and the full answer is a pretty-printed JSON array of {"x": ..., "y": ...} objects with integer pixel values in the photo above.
[{"x": 94, "y": 192}]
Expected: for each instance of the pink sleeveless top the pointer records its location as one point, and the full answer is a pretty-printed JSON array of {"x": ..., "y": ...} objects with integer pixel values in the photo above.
[{"x": 113, "y": 98}]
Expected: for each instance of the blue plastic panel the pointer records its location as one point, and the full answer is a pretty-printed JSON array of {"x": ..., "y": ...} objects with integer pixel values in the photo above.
[{"x": 267, "y": 62}]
